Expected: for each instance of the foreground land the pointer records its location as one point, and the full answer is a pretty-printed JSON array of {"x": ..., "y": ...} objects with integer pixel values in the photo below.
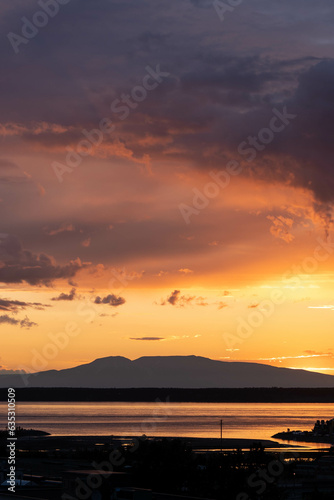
[
  {"x": 305, "y": 437},
  {"x": 50, "y": 443},
  {"x": 81, "y": 467},
  {"x": 253, "y": 395}
]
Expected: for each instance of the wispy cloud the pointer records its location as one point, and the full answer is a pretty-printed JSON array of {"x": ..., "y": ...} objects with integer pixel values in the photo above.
[
  {"x": 222, "y": 305},
  {"x": 302, "y": 356},
  {"x": 176, "y": 299},
  {"x": 16, "y": 305},
  {"x": 330, "y": 307},
  {"x": 63, "y": 228},
  {"x": 312, "y": 368},
  {"x": 147, "y": 338},
  {"x": 23, "y": 323},
  {"x": 281, "y": 228}
]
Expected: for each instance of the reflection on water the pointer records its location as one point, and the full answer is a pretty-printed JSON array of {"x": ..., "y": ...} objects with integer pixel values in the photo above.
[{"x": 240, "y": 420}]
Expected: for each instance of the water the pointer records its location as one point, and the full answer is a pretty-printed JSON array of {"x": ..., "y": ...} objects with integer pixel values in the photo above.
[{"x": 240, "y": 420}]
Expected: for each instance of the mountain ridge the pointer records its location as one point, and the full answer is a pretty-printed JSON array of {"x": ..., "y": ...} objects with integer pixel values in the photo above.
[{"x": 170, "y": 371}]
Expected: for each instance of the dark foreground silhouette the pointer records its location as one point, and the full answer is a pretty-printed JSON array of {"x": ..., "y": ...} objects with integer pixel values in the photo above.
[
  {"x": 168, "y": 371},
  {"x": 211, "y": 395},
  {"x": 114, "y": 468}
]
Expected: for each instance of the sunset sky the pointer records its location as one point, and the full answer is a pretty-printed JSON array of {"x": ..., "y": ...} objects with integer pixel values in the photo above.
[{"x": 166, "y": 181}]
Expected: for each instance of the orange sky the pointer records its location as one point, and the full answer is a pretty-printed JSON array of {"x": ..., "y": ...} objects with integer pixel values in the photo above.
[
  {"x": 172, "y": 194},
  {"x": 236, "y": 290}
]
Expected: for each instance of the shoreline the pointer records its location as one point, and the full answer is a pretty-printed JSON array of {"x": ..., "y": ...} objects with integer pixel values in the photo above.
[
  {"x": 305, "y": 437},
  {"x": 63, "y": 442}
]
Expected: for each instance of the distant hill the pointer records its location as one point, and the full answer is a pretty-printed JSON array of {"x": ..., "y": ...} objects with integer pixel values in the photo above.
[{"x": 171, "y": 372}]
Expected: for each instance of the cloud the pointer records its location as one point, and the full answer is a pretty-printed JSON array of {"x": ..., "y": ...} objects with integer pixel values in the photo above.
[
  {"x": 176, "y": 299},
  {"x": 302, "y": 356},
  {"x": 311, "y": 368},
  {"x": 281, "y": 228},
  {"x": 12, "y": 174},
  {"x": 161, "y": 273},
  {"x": 24, "y": 323},
  {"x": 202, "y": 4},
  {"x": 63, "y": 228},
  {"x": 86, "y": 243},
  {"x": 253, "y": 306},
  {"x": 7, "y": 319},
  {"x": 66, "y": 296},
  {"x": 217, "y": 98},
  {"x": 7, "y": 164},
  {"x": 16, "y": 305},
  {"x": 185, "y": 271},
  {"x": 328, "y": 307},
  {"x": 309, "y": 351},
  {"x": 182, "y": 337},
  {"x": 147, "y": 338},
  {"x": 111, "y": 299},
  {"x": 18, "y": 265},
  {"x": 166, "y": 339}
]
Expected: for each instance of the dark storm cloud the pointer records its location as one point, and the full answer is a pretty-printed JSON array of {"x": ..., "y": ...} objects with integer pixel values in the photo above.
[
  {"x": 222, "y": 87},
  {"x": 300, "y": 156},
  {"x": 202, "y": 4},
  {"x": 18, "y": 265},
  {"x": 111, "y": 299}
]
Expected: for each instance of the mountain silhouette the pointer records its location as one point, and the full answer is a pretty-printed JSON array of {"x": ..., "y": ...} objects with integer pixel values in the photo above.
[{"x": 171, "y": 372}]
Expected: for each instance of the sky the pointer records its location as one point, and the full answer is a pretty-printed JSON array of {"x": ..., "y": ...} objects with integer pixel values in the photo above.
[{"x": 166, "y": 181}]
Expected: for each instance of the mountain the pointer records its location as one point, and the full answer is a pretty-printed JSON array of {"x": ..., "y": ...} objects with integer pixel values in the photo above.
[{"x": 171, "y": 372}]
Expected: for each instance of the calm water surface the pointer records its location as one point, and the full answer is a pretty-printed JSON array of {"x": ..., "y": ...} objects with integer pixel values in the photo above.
[{"x": 240, "y": 420}]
